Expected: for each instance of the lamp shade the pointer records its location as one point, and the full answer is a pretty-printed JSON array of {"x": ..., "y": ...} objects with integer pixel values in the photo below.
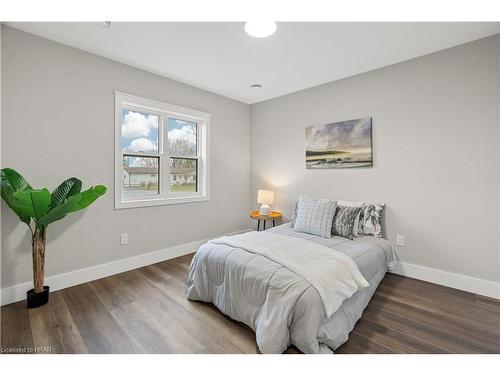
[{"x": 265, "y": 196}]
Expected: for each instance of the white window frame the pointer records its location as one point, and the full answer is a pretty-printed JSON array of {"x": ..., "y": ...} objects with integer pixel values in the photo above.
[{"x": 164, "y": 111}]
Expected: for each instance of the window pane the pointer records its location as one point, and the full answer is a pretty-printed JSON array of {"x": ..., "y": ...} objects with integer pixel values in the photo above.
[
  {"x": 183, "y": 175},
  {"x": 182, "y": 137},
  {"x": 139, "y": 131},
  {"x": 140, "y": 177}
]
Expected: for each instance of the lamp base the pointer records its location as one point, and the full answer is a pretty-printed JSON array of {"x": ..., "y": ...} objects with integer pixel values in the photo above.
[{"x": 264, "y": 210}]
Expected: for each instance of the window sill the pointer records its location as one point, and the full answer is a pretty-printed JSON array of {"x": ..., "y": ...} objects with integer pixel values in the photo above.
[{"x": 160, "y": 201}]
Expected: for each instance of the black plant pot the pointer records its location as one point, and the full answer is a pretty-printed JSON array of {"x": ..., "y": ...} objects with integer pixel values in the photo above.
[{"x": 37, "y": 299}]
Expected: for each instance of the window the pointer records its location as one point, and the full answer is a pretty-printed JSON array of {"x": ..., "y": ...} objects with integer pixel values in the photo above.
[
  {"x": 161, "y": 153},
  {"x": 183, "y": 153}
]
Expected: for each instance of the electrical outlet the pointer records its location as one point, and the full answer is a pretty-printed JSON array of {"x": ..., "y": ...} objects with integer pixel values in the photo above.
[
  {"x": 124, "y": 238},
  {"x": 400, "y": 240}
]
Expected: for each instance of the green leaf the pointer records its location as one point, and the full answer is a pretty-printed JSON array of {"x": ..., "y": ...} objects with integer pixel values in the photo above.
[
  {"x": 10, "y": 182},
  {"x": 74, "y": 203},
  {"x": 32, "y": 203},
  {"x": 68, "y": 188},
  {"x": 17, "y": 181},
  {"x": 7, "y": 195}
]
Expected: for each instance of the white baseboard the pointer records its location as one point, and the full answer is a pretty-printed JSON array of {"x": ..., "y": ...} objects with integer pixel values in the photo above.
[
  {"x": 18, "y": 292},
  {"x": 453, "y": 280}
]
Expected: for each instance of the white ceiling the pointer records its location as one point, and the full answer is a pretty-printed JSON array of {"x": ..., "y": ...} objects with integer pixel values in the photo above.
[{"x": 222, "y": 58}]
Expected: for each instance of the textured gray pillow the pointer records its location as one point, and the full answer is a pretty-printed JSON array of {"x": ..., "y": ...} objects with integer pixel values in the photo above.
[
  {"x": 295, "y": 212},
  {"x": 315, "y": 216},
  {"x": 343, "y": 222}
]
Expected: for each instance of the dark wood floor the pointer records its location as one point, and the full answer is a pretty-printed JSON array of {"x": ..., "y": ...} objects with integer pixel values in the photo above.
[{"x": 146, "y": 311}]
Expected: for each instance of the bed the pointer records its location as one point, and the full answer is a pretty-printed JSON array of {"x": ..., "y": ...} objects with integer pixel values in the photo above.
[{"x": 281, "y": 305}]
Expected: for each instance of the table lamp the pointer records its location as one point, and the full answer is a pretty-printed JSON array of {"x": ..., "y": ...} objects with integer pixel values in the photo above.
[{"x": 265, "y": 198}]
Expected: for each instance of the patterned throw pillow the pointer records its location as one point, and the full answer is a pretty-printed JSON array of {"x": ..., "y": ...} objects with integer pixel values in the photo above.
[
  {"x": 355, "y": 232},
  {"x": 315, "y": 216},
  {"x": 343, "y": 222},
  {"x": 294, "y": 216},
  {"x": 370, "y": 220}
]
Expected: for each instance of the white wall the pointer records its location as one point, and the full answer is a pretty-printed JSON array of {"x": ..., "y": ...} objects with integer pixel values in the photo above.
[
  {"x": 1, "y": 235},
  {"x": 57, "y": 122},
  {"x": 58, "y": 119},
  {"x": 436, "y": 153}
]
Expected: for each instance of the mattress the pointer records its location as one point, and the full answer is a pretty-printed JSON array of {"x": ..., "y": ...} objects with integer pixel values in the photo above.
[{"x": 279, "y": 305}]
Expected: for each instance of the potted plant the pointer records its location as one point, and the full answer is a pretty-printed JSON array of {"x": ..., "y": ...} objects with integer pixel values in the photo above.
[{"x": 43, "y": 208}]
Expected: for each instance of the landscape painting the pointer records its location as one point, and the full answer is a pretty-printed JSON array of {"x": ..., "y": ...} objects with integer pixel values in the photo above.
[{"x": 345, "y": 144}]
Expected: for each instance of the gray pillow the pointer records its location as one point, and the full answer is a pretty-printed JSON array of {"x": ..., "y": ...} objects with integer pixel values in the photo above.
[
  {"x": 295, "y": 212},
  {"x": 315, "y": 216},
  {"x": 343, "y": 222}
]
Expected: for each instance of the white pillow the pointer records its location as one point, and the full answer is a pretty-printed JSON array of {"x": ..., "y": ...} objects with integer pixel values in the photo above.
[
  {"x": 315, "y": 216},
  {"x": 350, "y": 204}
]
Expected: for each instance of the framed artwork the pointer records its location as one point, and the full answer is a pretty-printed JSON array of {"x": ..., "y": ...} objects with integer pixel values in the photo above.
[{"x": 345, "y": 144}]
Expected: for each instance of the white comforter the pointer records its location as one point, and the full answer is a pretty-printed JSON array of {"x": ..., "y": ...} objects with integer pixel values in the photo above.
[
  {"x": 274, "y": 298},
  {"x": 333, "y": 274}
]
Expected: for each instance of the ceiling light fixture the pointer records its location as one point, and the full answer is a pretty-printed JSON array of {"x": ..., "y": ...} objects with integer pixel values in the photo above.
[{"x": 260, "y": 29}]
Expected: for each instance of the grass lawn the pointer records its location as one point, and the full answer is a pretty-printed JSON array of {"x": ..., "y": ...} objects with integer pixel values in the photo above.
[{"x": 184, "y": 187}]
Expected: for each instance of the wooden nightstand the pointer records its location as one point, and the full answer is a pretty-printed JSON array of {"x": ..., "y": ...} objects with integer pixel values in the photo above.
[{"x": 273, "y": 216}]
